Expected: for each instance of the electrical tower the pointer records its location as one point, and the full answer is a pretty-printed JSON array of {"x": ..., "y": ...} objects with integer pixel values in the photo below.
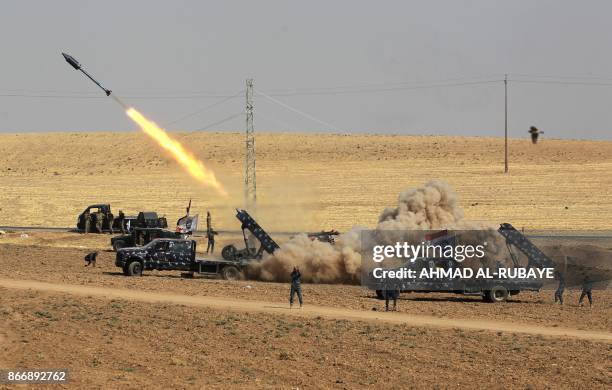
[{"x": 250, "y": 186}]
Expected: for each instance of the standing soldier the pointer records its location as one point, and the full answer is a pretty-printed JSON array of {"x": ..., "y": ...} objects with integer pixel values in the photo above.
[
  {"x": 111, "y": 220},
  {"x": 87, "y": 221},
  {"x": 121, "y": 218},
  {"x": 587, "y": 286},
  {"x": 560, "y": 289},
  {"x": 390, "y": 292},
  {"x": 99, "y": 220},
  {"x": 534, "y": 134},
  {"x": 296, "y": 286},
  {"x": 210, "y": 234}
]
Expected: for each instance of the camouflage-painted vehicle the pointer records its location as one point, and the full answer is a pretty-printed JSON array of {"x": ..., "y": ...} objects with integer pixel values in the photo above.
[
  {"x": 166, "y": 254},
  {"x": 103, "y": 213},
  {"x": 142, "y": 236}
]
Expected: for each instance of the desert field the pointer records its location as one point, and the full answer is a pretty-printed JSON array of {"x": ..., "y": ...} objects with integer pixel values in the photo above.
[
  {"x": 164, "y": 331},
  {"x": 306, "y": 182},
  {"x": 125, "y": 344}
]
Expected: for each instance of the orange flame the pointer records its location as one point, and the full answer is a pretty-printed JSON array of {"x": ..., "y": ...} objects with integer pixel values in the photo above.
[{"x": 191, "y": 164}]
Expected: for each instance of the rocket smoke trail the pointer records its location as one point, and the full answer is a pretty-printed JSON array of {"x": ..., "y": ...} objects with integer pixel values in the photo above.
[{"x": 183, "y": 156}]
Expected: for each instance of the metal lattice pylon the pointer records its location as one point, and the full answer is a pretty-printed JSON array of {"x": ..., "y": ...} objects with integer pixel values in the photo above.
[{"x": 250, "y": 185}]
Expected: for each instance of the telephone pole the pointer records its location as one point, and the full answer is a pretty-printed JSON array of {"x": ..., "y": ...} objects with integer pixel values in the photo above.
[
  {"x": 506, "y": 123},
  {"x": 250, "y": 186}
]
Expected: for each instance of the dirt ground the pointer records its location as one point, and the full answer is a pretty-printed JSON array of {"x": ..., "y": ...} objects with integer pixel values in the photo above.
[
  {"x": 66, "y": 266},
  {"x": 122, "y": 344},
  {"x": 306, "y": 182},
  {"x": 113, "y": 340}
]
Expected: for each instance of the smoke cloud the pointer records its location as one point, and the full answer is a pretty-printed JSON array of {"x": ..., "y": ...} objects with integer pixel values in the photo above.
[{"x": 433, "y": 206}]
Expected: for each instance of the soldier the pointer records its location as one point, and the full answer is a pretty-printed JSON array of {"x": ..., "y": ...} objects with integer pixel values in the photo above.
[
  {"x": 391, "y": 293},
  {"x": 90, "y": 258},
  {"x": 111, "y": 220},
  {"x": 560, "y": 289},
  {"x": 87, "y": 217},
  {"x": 99, "y": 219},
  {"x": 296, "y": 286},
  {"x": 534, "y": 134},
  {"x": 121, "y": 218},
  {"x": 210, "y": 234},
  {"x": 587, "y": 286}
]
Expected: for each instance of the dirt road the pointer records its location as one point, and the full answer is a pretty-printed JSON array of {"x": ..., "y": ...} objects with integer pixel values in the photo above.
[{"x": 308, "y": 311}]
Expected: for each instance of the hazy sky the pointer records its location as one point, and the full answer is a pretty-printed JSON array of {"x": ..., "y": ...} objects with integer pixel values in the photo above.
[{"x": 401, "y": 67}]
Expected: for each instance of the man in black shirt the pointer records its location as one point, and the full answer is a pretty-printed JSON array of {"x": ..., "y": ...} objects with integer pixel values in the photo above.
[{"x": 296, "y": 286}]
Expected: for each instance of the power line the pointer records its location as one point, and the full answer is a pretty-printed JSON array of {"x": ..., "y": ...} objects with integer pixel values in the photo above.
[
  {"x": 160, "y": 97},
  {"x": 566, "y": 77},
  {"x": 560, "y": 82},
  {"x": 312, "y": 118},
  {"x": 220, "y": 122},
  {"x": 398, "y": 88},
  {"x": 203, "y": 109}
]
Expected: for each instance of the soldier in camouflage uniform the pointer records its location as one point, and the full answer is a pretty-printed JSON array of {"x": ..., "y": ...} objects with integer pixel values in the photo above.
[
  {"x": 87, "y": 222},
  {"x": 210, "y": 235},
  {"x": 560, "y": 289},
  {"x": 99, "y": 220},
  {"x": 587, "y": 286},
  {"x": 111, "y": 220},
  {"x": 122, "y": 221},
  {"x": 296, "y": 286}
]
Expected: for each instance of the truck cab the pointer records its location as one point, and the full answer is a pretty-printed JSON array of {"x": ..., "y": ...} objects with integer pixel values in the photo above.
[
  {"x": 168, "y": 254},
  {"x": 142, "y": 236}
]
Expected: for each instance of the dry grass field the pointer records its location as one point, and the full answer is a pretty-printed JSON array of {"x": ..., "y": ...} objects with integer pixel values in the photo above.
[{"x": 306, "y": 182}]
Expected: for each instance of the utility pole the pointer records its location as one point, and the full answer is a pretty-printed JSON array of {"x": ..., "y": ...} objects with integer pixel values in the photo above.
[
  {"x": 506, "y": 123},
  {"x": 250, "y": 186}
]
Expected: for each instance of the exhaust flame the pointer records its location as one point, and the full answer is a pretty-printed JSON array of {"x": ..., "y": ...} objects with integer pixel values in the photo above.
[{"x": 191, "y": 164}]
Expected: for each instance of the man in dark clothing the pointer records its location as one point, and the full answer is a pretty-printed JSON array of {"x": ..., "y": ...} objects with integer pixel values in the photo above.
[
  {"x": 535, "y": 133},
  {"x": 391, "y": 294},
  {"x": 296, "y": 286},
  {"x": 90, "y": 258},
  {"x": 560, "y": 289},
  {"x": 210, "y": 234},
  {"x": 587, "y": 286},
  {"x": 111, "y": 220},
  {"x": 121, "y": 218}
]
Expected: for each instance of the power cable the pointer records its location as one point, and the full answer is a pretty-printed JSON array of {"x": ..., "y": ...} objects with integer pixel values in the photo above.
[
  {"x": 312, "y": 118},
  {"x": 220, "y": 122},
  {"x": 203, "y": 109}
]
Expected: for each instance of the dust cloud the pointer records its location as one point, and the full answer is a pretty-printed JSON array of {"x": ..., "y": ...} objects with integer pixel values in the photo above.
[{"x": 432, "y": 206}]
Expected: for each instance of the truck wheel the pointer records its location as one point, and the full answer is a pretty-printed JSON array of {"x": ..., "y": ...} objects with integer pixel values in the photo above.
[
  {"x": 229, "y": 252},
  {"x": 497, "y": 294},
  {"x": 135, "y": 268},
  {"x": 119, "y": 244},
  {"x": 231, "y": 273}
]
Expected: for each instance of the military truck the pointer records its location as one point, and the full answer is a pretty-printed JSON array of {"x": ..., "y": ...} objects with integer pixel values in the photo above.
[
  {"x": 492, "y": 290},
  {"x": 167, "y": 254},
  {"x": 102, "y": 213},
  {"x": 142, "y": 236}
]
